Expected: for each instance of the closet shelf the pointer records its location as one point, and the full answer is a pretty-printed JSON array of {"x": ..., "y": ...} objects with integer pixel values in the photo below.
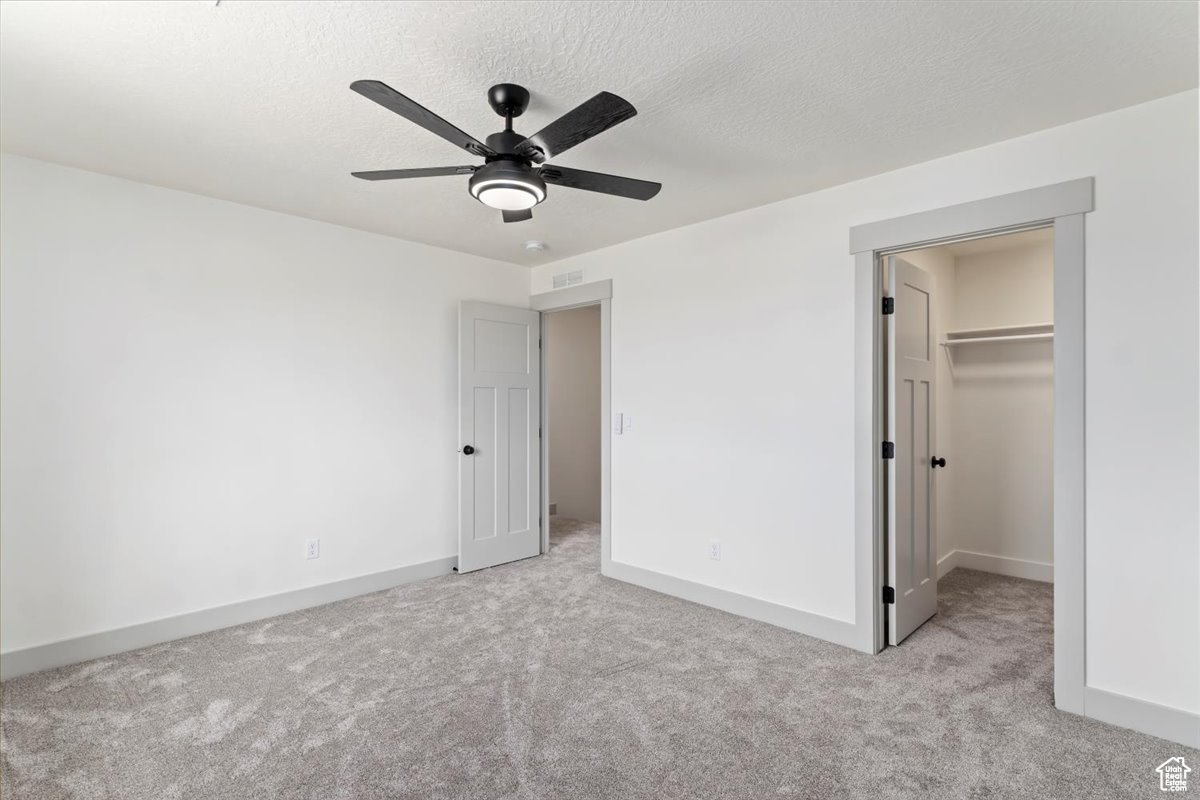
[{"x": 1013, "y": 333}]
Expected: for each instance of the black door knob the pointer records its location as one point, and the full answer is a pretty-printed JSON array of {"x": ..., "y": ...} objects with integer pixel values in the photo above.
[
  {"x": 938, "y": 462},
  {"x": 467, "y": 450}
]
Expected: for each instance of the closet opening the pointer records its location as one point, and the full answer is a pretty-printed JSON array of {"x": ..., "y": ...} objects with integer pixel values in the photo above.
[
  {"x": 574, "y": 423},
  {"x": 969, "y": 377}
]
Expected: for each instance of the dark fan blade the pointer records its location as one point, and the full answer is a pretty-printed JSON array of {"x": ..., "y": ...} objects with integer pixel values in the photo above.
[
  {"x": 392, "y": 100},
  {"x": 517, "y": 216},
  {"x": 425, "y": 172},
  {"x": 595, "y": 116},
  {"x": 599, "y": 182}
]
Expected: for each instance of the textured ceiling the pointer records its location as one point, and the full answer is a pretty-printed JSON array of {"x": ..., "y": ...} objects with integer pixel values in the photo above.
[{"x": 739, "y": 104}]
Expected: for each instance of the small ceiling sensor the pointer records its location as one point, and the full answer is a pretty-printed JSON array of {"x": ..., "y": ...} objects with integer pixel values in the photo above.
[{"x": 535, "y": 246}]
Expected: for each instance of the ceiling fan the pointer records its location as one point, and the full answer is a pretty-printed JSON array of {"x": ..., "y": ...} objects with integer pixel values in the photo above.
[{"x": 514, "y": 174}]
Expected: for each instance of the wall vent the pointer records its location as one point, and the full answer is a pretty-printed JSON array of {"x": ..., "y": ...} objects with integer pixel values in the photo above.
[
  {"x": 553, "y": 509},
  {"x": 564, "y": 279}
]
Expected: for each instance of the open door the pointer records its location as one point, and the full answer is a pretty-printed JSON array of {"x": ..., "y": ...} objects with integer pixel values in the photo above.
[
  {"x": 499, "y": 404},
  {"x": 912, "y": 544}
]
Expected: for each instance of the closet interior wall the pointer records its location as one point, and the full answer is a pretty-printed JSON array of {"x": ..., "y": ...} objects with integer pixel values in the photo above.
[
  {"x": 995, "y": 405},
  {"x": 573, "y": 395}
]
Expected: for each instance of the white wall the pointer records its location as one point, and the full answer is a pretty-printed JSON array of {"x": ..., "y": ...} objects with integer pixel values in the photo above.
[
  {"x": 1010, "y": 286},
  {"x": 732, "y": 345},
  {"x": 573, "y": 381},
  {"x": 1002, "y": 410},
  {"x": 191, "y": 388}
]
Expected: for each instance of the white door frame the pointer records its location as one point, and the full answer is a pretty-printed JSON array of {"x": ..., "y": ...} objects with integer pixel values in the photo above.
[
  {"x": 598, "y": 293},
  {"x": 1062, "y": 206}
]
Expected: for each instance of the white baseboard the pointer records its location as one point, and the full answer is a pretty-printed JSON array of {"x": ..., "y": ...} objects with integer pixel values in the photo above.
[
  {"x": 1141, "y": 715},
  {"x": 947, "y": 563},
  {"x": 821, "y": 627},
  {"x": 119, "y": 640},
  {"x": 999, "y": 565}
]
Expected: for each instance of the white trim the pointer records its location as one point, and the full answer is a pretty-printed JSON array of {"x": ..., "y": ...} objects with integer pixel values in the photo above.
[
  {"x": 145, "y": 634},
  {"x": 1141, "y": 715},
  {"x": 587, "y": 294},
  {"x": 606, "y": 435},
  {"x": 1070, "y": 443},
  {"x": 869, "y": 477},
  {"x": 1016, "y": 210},
  {"x": 998, "y": 565},
  {"x": 826, "y": 628},
  {"x": 946, "y": 563}
]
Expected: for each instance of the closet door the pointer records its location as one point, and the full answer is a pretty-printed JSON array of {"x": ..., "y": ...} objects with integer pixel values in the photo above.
[{"x": 912, "y": 545}]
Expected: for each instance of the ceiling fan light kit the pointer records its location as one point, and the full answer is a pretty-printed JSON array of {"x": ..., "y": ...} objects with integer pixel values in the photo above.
[
  {"x": 506, "y": 186},
  {"x": 513, "y": 176}
]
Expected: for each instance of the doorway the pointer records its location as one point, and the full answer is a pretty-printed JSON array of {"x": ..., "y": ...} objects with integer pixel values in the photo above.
[
  {"x": 1063, "y": 207},
  {"x": 504, "y": 489},
  {"x": 572, "y": 394},
  {"x": 597, "y": 294},
  {"x": 970, "y": 405}
]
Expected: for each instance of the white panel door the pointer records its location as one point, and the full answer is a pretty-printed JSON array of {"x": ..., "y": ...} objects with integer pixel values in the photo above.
[
  {"x": 499, "y": 404},
  {"x": 912, "y": 542}
]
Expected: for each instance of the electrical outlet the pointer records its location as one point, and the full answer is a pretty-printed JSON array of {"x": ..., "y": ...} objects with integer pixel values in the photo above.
[
  {"x": 714, "y": 550},
  {"x": 312, "y": 548}
]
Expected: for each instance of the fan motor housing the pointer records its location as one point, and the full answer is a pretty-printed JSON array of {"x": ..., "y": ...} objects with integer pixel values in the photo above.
[{"x": 505, "y": 142}]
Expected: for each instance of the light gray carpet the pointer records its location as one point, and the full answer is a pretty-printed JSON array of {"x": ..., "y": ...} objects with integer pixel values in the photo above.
[{"x": 543, "y": 680}]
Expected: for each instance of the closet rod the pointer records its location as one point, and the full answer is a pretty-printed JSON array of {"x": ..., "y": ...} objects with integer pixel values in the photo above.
[{"x": 1027, "y": 337}]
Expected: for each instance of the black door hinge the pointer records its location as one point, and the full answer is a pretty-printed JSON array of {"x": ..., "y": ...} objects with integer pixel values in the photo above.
[
  {"x": 889, "y": 450},
  {"x": 889, "y": 595},
  {"x": 889, "y": 305},
  {"x": 539, "y": 433}
]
